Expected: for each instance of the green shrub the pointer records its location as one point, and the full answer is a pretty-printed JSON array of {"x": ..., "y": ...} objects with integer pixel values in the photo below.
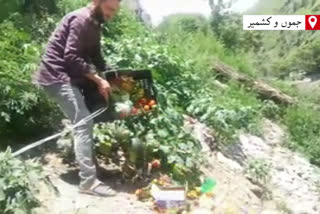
[
  {"x": 301, "y": 60},
  {"x": 161, "y": 136},
  {"x": 258, "y": 170},
  {"x": 66, "y": 6},
  {"x": 8, "y": 7},
  {"x": 184, "y": 23},
  {"x": 229, "y": 31},
  {"x": 24, "y": 111},
  {"x": 227, "y": 112},
  {"x": 124, "y": 24},
  {"x": 304, "y": 126},
  {"x": 18, "y": 184}
]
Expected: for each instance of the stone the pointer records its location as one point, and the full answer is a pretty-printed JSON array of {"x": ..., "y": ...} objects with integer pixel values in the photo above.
[
  {"x": 273, "y": 134},
  {"x": 254, "y": 147},
  {"x": 270, "y": 211},
  {"x": 258, "y": 191},
  {"x": 230, "y": 163}
]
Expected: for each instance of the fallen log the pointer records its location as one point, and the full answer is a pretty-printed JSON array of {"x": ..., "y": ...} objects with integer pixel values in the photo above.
[{"x": 264, "y": 90}]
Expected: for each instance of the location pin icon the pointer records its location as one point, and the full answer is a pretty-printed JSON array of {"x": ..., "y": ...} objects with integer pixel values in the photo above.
[{"x": 312, "y": 21}]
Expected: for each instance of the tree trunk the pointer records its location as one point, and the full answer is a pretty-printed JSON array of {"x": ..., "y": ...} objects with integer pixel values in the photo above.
[{"x": 264, "y": 90}]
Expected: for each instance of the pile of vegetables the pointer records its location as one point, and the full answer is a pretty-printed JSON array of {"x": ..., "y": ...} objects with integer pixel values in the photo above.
[{"x": 129, "y": 97}]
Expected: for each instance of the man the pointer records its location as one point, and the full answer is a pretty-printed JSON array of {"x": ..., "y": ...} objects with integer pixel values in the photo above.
[{"x": 73, "y": 54}]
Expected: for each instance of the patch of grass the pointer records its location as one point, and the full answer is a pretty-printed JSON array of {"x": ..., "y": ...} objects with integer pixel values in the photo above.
[
  {"x": 258, "y": 170},
  {"x": 203, "y": 49},
  {"x": 283, "y": 208},
  {"x": 227, "y": 111},
  {"x": 304, "y": 126}
]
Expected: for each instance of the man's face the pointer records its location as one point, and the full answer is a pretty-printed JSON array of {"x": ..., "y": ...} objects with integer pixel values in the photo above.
[{"x": 109, "y": 8}]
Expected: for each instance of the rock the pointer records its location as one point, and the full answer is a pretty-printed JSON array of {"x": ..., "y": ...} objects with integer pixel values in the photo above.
[
  {"x": 235, "y": 152},
  {"x": 279, "y": 168},
  {"x": 258, "y": 191},
  {"x": 201, "y": 211},
  {"x": 230, "y": 163},
  {"x": 292, "y": 176},
  {"x": 254, "y": 147},
  {"x": 200, "y": 132},
  {"x": 270, "y": 211},
  {"x": 273, "y": 134}
]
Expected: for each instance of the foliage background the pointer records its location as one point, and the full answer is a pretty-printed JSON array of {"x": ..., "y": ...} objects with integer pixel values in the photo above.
[{"x": 180, "y": 53}]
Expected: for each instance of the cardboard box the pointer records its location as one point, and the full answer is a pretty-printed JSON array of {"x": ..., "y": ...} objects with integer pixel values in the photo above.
[{"x": 168, "y": 197}]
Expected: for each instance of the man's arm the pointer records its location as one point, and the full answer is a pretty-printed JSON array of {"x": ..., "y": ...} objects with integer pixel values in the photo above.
[
  {"x": 74, "y": 60},
  {"x": 74, "y": 47},
  {"x": 103, "y": 85}
]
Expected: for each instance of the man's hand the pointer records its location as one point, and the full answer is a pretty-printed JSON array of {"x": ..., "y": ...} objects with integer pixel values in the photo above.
[
  {"x": 104, "y": 88},
  {"x": 103, "y": 85}
]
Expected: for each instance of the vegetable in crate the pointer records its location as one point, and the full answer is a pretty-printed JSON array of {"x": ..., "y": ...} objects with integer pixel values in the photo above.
[
  {"x": 129, "y": 96},
  {"x": 124, "y": 108},
  {"x": 127, "y": 84},
  {"x": 137, "y": 94},
  {"x": 147, "y": 105}
]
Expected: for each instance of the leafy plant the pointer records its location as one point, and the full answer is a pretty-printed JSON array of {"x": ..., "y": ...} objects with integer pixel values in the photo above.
[
  {"x": 304, "y": 129},
  {"x": 224, "y": 114},
  {"x": 185, "y": 23},
  {"x": 20, "y": 99},
  {"x": 258, "y": 170},
  {"x": 18, "y": 184},
  {"x": 9, "y": 7},
  {"x": 162, "y": 136},
  {"x": 283, "y": 207},
  {"x": 66, "y": 6},
  {"x": 271, "y": 110}
]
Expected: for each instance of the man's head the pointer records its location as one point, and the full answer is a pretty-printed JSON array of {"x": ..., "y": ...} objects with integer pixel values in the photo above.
[{"x": 107, "y": 8}]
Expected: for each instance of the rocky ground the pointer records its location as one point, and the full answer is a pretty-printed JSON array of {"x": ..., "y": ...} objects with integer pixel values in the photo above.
[
  {"x": 288, "y": 182},
  {"x": 292, "y": 181},
  {"x": 255, "y": 175},
  {"x": 65, "y": 199}
]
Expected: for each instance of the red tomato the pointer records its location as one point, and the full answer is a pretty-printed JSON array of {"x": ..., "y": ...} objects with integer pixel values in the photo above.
[
  {"x": 146, "y": 108},
  {"x": 122, "y": 115},
  {"x": 134, "y": 110},
  {"x": 143, "y": 101},
  {"x": 156, "y": 164},
  {"x": 152, "y": 103}
]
